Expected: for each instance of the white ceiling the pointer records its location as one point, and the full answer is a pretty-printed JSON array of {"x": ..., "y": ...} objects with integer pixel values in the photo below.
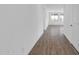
[{"x": 54, "y": 7}]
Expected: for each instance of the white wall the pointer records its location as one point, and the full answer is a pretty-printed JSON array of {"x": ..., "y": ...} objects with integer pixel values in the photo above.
[
  {"x": 20, "y": 28},
  {"x": 35, "y": 25},
  {"x": 45, "y": 17}
]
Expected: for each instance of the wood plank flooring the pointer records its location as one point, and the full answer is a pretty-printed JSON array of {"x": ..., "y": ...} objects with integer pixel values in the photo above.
[{"x": 53, "y": 42}]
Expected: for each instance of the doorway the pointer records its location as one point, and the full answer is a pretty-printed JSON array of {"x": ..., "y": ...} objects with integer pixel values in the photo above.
[{"x": 56, "y": 18}]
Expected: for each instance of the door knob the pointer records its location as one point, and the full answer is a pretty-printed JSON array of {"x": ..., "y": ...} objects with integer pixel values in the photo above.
[{"x": 71, "y": 25}]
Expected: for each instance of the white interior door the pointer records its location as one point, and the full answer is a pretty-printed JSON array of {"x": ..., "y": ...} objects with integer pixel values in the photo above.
[{"x": 76, "y": 26}]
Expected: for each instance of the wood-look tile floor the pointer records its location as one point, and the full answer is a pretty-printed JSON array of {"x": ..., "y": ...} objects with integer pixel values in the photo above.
[{"x": 53, "y": 42}]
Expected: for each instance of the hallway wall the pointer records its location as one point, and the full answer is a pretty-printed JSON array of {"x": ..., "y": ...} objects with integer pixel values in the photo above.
[
  {"x": 20, "y": 28},
  {"x": 45, "y": 17}
]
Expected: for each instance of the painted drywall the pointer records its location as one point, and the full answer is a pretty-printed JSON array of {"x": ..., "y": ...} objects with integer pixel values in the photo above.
[
  {"x": 20, "y": 28},
  {"x": 35, "y": 27},
  {"x": 45, "y": 17}
]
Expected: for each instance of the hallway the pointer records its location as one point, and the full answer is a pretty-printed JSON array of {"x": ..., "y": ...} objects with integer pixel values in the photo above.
[{"x": 53, "y": 42}]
